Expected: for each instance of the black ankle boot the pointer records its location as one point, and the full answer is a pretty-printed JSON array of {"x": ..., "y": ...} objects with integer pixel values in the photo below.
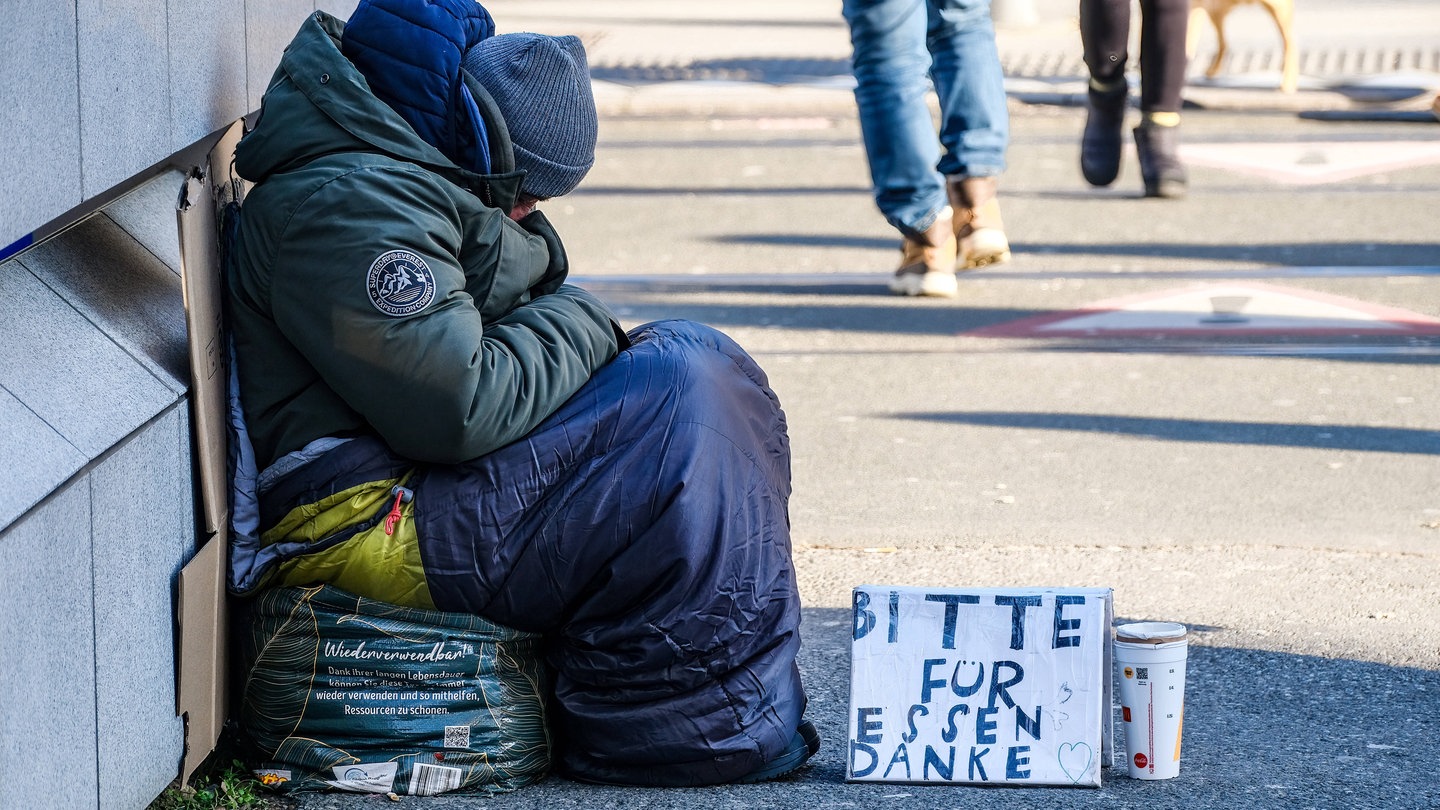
[
  {"x": 1104, "y": 124},
  {"x": 1160, "y": 167}
]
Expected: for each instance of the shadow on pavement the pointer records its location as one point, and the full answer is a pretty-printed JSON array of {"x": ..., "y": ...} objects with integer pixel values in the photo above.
[
  {"x": 846, "y": 307},
  {"x": 1262, "y": 730},
  {"x": 1301, "y": 254},
  {"x": 1321, "y": 255},
  {"x": 1321, "y": 437},
  {"x": 766, "y": 70},
  {"x": 722, "y": 191},
  {"x": 929, "y": 317}
]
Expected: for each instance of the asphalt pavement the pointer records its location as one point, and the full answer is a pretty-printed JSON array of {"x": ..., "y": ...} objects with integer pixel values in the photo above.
[{"x": 1223, "y": 407}]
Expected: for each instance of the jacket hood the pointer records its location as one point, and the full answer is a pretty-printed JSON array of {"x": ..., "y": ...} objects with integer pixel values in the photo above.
[
  {"x": 410, "y": 52},
  {"x": 318, "y": 103}
]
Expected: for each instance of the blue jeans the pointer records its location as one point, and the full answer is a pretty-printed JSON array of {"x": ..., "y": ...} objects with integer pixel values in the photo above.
[{"x": 897, "y": 43}]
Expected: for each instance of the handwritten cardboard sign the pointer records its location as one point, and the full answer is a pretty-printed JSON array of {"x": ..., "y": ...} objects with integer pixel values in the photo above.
[{"x": 980, "y": 686}]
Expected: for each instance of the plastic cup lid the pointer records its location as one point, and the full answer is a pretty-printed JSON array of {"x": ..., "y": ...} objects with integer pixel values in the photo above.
[{"x": 1150, "y": 632}]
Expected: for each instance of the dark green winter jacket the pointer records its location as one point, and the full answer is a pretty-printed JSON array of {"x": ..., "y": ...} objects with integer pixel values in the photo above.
[{"x": 377, "y": 287}]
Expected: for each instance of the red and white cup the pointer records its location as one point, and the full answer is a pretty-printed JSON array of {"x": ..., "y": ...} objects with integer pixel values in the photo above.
[{"x": 1150, "y": 663}]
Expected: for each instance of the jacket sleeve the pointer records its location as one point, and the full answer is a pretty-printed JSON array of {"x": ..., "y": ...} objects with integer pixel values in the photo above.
[{"x": 369, "y": 286}]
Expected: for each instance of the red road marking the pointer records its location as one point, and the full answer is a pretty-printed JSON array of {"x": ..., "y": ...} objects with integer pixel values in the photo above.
[{"x": 1243, "y": 309}]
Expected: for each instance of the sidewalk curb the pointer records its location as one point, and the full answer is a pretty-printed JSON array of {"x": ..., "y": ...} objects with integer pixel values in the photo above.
[
  {"x": 720, "y": 99},
  {"x": 738, "y": 99}
]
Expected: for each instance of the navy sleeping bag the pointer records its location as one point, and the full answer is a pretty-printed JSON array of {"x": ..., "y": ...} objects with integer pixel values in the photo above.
[{"x": 643, "y": 530}]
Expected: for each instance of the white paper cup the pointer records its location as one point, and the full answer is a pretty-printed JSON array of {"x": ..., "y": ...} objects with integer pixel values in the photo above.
[{"x": 1150, "y": 661}]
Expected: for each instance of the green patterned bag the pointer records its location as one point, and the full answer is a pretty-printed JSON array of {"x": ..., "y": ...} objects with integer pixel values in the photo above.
[{"x": 343, "y": 692}]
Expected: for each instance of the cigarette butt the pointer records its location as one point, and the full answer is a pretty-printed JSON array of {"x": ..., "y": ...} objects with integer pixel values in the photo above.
[{"x": 880, "y": 550}]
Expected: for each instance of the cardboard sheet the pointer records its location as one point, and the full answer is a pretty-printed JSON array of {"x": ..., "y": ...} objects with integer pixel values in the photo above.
[
  {"x": 202, "y": 695},
  {"x": 980, "y": 686}
]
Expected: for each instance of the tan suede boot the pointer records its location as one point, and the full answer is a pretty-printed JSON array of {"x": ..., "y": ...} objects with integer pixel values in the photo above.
[
  {"x": 927, "y": 264},
  {"x": 979, "y": 231}
]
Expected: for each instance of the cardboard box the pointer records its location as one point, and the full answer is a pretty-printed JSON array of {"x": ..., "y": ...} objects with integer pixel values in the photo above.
[
  {"x": 202, "y": 696},
  {"x": 980, "y": 686}
]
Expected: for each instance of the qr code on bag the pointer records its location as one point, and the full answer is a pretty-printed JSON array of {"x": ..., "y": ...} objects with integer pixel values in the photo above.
[{"x": 457, "y": 736}]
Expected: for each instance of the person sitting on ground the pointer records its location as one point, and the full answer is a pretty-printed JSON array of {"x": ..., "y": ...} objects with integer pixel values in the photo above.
[{"x": 442, "y": 422}]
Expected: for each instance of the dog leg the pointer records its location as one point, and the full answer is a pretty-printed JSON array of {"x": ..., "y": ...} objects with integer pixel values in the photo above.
[
  {"x": 1217, "y": 18},
  {"x": 1192, "y": 31},
  {"x": 1283, "y": 13}
]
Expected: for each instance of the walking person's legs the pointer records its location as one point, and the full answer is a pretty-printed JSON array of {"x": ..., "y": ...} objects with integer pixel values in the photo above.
[
  {"x": 1162, "y": 77},
  {"x": 891, "y": 65},
  {"x": 974, "y": 124},
  {"x": 1105, "y": 38}
]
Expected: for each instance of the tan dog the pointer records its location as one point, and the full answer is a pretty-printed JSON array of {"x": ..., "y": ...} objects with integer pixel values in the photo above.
[{"x": 1282, "y": 11}]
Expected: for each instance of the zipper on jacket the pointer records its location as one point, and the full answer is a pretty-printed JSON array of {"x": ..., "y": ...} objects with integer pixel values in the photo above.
[{"x": 402, "y": 496}]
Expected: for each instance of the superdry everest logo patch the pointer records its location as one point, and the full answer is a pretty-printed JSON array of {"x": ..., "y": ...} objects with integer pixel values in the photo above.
[{"x": 400, "y": 283}]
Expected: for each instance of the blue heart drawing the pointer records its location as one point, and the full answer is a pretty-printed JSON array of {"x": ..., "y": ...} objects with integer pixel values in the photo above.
[{"x": 1075, "y": 760}]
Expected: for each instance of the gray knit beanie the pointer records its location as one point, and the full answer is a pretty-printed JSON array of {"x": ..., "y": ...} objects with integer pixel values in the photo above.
[{"x": 542, "y": 86}]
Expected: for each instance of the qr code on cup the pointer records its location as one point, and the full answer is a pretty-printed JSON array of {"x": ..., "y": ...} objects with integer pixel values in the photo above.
[
  {"x": 457, "y": 736},
  {"x": 1141, "y": 674}
]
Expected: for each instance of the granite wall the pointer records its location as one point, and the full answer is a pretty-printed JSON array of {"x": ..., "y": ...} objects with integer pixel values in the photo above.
[{"x": 98, "y": 506}]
